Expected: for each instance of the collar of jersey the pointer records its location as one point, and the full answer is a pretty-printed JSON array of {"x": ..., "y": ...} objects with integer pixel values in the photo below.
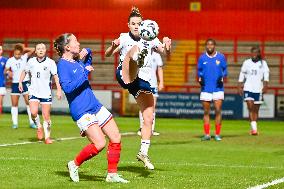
[
  {"x": 132, "y": 37},
  {"x": 69, "y": 60},
  {"x": 42, "y": 60},
  {"x": 212, "y": 56}
]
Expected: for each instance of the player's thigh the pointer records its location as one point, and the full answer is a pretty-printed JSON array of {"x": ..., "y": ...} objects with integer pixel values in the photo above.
[
  {"x": 1, "y": 99},
  {"x": 218, "y": 104},
  {"x": 206, "y": 106},
  {"x": 26, "y": 98},
  {"x": 145, "y": 102},
  {"x": 45, "y": 108},
  {"x": 96, "y": 136},
  {"x": 34, "y": 107},
  {"x": 112, "y": 132},
  {"x": 250, "y": 105},
  {"x": 15, "y": 100}
]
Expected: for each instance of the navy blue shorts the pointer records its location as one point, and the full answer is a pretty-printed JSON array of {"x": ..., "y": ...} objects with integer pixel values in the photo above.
[
  {"x": 135, "y": 87},
  {"x": 41, "y": 100},
  {"x": 256, "y": 97},
  {"x": 15, "y": 88}
]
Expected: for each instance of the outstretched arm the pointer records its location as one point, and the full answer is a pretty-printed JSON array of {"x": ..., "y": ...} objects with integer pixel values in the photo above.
[
  {"x": 114, "y": 48},
  {"x": 165, "y": 48}
]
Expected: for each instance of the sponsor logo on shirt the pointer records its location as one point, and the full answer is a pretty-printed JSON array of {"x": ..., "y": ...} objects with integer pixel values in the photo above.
[
  {"x": 217, "y": 62},
  {"x": 74, "y": 71},
  {"x": 204, "y": 62},
  {"x": 44, "y": 68}
]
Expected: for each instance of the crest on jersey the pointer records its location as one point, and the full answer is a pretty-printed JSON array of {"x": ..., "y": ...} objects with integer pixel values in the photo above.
[
  {"x": 217, "y": 62},
  {"x": 44, "y": 68},
  {"x": 88, "y": 118}
]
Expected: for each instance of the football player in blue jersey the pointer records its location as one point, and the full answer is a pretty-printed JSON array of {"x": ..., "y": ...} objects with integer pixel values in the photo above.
[{"x": 212, "y": 69}]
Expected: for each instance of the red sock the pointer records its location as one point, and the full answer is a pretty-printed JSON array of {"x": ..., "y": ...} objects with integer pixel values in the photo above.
[
  {"x": 113, "y": 156},
  {"x": 206, "y": 129},
  {"x": 86, "y": 153},
  {"x": 218, "y": 129}
]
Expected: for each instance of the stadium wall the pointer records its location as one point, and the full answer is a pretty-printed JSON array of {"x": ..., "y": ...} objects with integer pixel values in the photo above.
[{"x": 176, "y": 24}]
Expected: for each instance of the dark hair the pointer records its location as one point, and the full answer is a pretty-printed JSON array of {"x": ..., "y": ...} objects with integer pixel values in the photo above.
[
  {"x": 210, "y": 40},
  {"x": 19, "y": 47},
  {"x": 61, "y": 42},
  {"x": 255, "y": 48},
  {"x": 134, "y": 13}
]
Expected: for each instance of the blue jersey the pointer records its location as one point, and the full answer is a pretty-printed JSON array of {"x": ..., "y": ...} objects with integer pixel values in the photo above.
[
  {"x": 73, "y": 78},
  {"x": 3, "y": 61},
  {"x": 212, "y": 70}
]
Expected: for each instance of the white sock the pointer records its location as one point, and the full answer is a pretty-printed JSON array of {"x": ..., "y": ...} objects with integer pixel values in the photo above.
[
  {"x": 47, "y": 128},
  {"x": 154, "y": 121},
  {"x": 37, "y": 121},
  {"x": 14, "y": 112},
  {"x": 253, "y": 125},
  {"x": 145, "y": 144},
  {"x": 141, "y": 119},
  {"x": 29, "y": 114}
]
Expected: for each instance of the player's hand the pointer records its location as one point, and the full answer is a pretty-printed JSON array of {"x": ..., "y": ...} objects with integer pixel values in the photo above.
[
  {"x": 220, "y": 82},
  {"x": 161, "y": 87},
  {"x": 201, "y": 81},
  {"x": 168, "y": 43},
  {"x": 59, "y": 94},
  {"x": 265, "y": 88},
  {"x": 115, "y": 43},
  {"x": 9, "y": 74},
  {"x": 83, "y": 53},
  {"x": 240, "y": 90},
  {"x": 21, "y": 87},
  {"x": 89, "y": 68}
]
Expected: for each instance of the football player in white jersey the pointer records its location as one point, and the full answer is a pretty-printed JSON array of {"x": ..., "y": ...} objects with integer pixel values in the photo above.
[
  {"x": 157, "y": 70},
  {"x": 253, "y": 82},
  {"x": 13, "y": 69},
  {"x": 134, "y": 73},
  {"x": 41, "y": 69}
]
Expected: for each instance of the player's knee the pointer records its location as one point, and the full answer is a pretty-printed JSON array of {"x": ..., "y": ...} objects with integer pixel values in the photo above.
[
  {"x": 206, "y": 112},
  {"x": 115, "y": 138},
  {"x": 218, "y": 111},
  {"x": 100, "y": 145},
  {"x": 148, "y": 120}
]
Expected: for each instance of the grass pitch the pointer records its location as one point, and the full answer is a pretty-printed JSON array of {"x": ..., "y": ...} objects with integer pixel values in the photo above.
[{"x": 181, "y": 160}]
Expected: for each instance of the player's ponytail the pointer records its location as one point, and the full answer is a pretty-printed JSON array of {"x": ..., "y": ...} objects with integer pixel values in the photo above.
[
  {"x": 60, "y": 43},
  {"x": 134, "y": 13}
]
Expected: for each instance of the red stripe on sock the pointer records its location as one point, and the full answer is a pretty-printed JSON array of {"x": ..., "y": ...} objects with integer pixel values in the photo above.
[
  {"x": 113, "y": 156},
  {"x": 86, "y": 153}
]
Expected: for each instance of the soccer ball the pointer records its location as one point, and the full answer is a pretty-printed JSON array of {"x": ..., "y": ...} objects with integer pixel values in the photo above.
[{"x": 148, "y": 30}]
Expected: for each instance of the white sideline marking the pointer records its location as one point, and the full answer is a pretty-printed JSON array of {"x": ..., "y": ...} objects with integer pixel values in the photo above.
[
  {"x": 209, "y": 165},
  {"x": 274, "y": 182},
  {"x": 58, "y": 139}
]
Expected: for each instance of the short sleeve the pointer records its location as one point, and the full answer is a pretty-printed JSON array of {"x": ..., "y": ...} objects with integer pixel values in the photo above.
[
  {"x": 8, "y": 63},
  {"x": 53, "y": 69}
]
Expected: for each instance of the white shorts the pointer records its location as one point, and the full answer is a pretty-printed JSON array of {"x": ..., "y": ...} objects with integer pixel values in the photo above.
[
  {"x": 204, "y": 96},
  {"x": 101, "y": 118},
  {"x": 155, "y": 92},
  {"x": 3, "y": 91}
]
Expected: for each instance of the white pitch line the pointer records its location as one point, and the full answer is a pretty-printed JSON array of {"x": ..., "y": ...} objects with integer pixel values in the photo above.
[
  {"x": 272, "y": 183},
  {"x": 209, "y": 165},
  {"x": 58, "y": 139}
]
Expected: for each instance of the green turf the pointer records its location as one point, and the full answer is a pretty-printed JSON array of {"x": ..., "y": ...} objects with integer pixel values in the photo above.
[{"x": 180, "y": 158}]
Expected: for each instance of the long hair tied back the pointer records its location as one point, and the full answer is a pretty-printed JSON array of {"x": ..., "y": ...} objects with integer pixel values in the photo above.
[
  {"x": 134, "y": 13},
  {"x": 61, "y": 42}
]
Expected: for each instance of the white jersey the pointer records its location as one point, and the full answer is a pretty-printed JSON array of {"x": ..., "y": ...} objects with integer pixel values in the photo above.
[
  {"x": 253, "y": 74},
  {"x": 156, "y": 61},
  {"x": 127, "y": 42},
  {"x": 17, "y": 66},
  {"x": 41, "y": 73}
]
